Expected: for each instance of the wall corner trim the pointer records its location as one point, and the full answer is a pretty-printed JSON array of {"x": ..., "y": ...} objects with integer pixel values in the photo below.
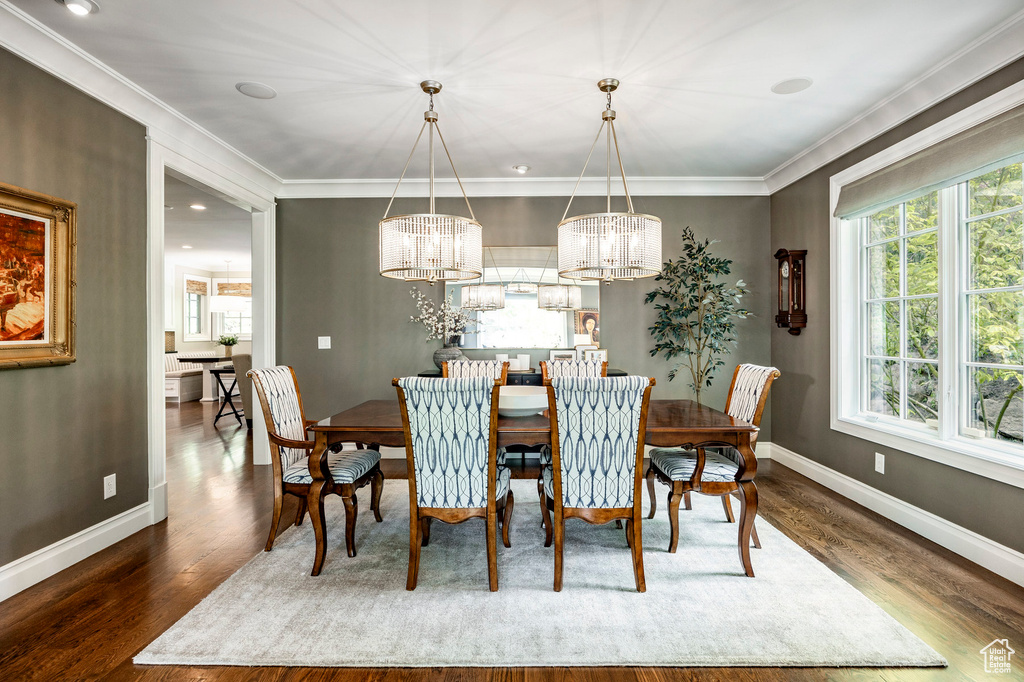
[
  {"x": 25, "y": 572},
  {"x": 998, "y": 558}
]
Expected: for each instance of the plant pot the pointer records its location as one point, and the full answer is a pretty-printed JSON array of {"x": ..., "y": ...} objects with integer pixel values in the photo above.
[
  {"x": 227, "y": 351},
  {"x": 447, "y": 354}
]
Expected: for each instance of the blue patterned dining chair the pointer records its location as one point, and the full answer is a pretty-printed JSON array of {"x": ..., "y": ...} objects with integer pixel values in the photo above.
[
  {"x": 451, "y": 434},
  {"x": 564, "y": 368},
  {"x": 461, "y": 369},
  {"x": 567, "y": 368},
  {"x": 279, "y": 395},
  {"x": 711, "y": 471},
  {"x": 598, "y": 426}
]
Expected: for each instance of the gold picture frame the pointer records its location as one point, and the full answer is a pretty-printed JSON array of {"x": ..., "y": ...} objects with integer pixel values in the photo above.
[{"x": 37, "y": 279}]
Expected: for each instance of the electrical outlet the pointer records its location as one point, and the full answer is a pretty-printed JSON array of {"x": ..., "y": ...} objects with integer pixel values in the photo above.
[
  {"x": 323, "y": 342},
  {"x": 109, "y": 486},
  {"x": 880, "y": 462}
]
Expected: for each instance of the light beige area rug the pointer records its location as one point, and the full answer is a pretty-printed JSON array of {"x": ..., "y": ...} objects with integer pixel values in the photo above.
[{"x": 699, "y": 608}]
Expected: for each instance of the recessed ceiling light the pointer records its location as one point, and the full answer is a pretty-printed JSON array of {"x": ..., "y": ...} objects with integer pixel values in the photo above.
[
  {"x": 257, "y": 90},
  {"x": 791, "y": 86},
  {"x": 81, "y": 7},
  {"x": 198, "y": 207},
  {"x": 521, "y": 168},
  {"x": 186, "y": 246}
]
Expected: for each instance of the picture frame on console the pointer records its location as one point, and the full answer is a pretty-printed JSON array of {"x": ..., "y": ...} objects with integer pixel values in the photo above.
[
  {"x": 595, "y": 355},
  {"x": 37, "y": 279},
  {"x": 562, "y": 355}
]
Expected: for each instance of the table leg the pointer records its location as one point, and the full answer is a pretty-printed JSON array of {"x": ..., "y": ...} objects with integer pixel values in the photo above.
[
  {"x": 748, "y": 512},
  {"x": 315, "y": 502},
  {"x": 209, "y": 387}
]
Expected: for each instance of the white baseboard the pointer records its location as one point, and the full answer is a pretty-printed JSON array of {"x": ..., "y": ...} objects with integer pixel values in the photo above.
[
  {"x": 41, "y": 564},
  {"x": 157, "y": 503},
  {"x": 1000, "y": 559}
]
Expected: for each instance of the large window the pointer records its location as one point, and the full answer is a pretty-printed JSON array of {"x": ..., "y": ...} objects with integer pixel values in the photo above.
[
  {"x": 901, "y": 255},
  {"x": 930, "y": 321},
  {"x": 193, "y": 314},
  {"x": 992, "y": 238},
  {"x": 238, "y": 323}
]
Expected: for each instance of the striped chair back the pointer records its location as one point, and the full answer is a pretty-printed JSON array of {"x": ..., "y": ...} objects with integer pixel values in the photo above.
[
  {"x": 449, "y": 424},
  {"x": 749, "y": 384},
  {"x": 599, "y": 438},
  {"x": 462, "y": 369},
  {"x": 278, "y": 390},
  {"x": 582, "y": 368}
]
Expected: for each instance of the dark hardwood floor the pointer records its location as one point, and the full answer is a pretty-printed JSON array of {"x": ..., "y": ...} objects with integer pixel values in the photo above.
[{"x": 87, "y": 622}]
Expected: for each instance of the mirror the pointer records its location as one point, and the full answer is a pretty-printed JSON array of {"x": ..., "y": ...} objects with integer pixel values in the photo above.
[{"x": 521, "y": 324}]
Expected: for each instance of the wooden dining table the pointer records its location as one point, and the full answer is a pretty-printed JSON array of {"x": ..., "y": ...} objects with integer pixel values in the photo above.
[{"x": 670, "y": 423}]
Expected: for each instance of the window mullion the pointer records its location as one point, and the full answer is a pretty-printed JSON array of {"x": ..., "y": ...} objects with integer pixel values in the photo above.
[
  {"x": 904, "y": 368},
  {"x": 950, "y": 265}
]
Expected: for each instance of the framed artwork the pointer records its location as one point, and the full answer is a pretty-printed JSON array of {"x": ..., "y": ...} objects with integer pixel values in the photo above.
[
  {"x": 595, "y": 355},
  {"x": 562, "y": 355},
  {"x": 37, "y": 279},
  {"x": 582, "y": 348},
  {"x": 588, "y": 323}
]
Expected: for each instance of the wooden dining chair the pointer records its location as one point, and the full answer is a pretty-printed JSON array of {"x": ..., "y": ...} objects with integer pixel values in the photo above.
[
  {"x": 279, "y": 396},
  {"x": 460, "y": 369},
  {"x": 598, "y": 427},
  {"x": 711, "y": 471},
  {"x": 451, "y": 435},
  {"x": 566, "y": 368}
]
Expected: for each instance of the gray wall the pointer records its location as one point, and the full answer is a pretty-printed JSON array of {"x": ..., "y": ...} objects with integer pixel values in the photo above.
[
  {"x": 62, "y": 429},
  {"x": 800, "y": 220},
  {"x": 328, "y": 284}
]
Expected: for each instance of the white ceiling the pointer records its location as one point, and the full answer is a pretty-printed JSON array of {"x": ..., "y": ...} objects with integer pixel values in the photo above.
[
  {"x": 519, "y": 76},
  {"x": 221, "y": 232}
]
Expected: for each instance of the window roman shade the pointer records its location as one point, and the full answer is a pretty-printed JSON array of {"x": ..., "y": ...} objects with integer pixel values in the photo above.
[
  {"x": 193, "y": 286},
  {"x": 991, "y": 144}
]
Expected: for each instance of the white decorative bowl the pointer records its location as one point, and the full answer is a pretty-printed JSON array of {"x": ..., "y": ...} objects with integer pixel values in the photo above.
[{"x": 522, "y": 401}]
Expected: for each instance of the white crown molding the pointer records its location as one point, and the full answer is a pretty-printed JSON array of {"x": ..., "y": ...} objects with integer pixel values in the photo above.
[
  {"x": 520, "y": 187},
  {"x": 990, "y": 554},
  {"x": 37, "y": 44},
  {"x": 989, "y": 53},
  {"x": 25, "y": 572}
]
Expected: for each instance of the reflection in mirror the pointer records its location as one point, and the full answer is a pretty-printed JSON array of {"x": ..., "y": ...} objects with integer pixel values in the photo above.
[{"x": 521, "y": 324}]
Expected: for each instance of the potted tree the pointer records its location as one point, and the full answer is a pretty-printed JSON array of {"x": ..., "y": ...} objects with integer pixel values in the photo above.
[{"x": 697, "y": 314}]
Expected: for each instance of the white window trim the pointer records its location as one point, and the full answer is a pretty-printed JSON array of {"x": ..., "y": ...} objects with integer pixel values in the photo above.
[
  {"x": 204, "y": 314},
  {"x": 988, "y": 459}
]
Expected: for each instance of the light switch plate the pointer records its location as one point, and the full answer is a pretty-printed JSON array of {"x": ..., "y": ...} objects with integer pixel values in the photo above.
[
  {"x": 323, "y": 342},
  {"x": 880, "y": 462}
]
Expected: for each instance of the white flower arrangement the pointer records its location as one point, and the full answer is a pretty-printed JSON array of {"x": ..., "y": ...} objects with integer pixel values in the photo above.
[{"x": 445, "y": 323}]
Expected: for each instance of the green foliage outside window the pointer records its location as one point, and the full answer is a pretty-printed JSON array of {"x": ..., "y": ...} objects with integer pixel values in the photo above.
[{"x": 995, "y": 260}]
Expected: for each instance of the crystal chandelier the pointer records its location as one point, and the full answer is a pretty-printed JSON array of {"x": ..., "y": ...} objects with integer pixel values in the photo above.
[
  {"x": 521, "y": 285},
  {"x": 430, "y": 247},
  {"x": 559, "y": 297},
  {"x": 484, "y": 296},
  {"x": 609, "y": 246}
]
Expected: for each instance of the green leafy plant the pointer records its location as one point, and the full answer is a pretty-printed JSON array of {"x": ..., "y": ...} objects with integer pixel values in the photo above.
[
  {"x": 696, "y": 313},
  {"x": 227, "y": 340}
]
